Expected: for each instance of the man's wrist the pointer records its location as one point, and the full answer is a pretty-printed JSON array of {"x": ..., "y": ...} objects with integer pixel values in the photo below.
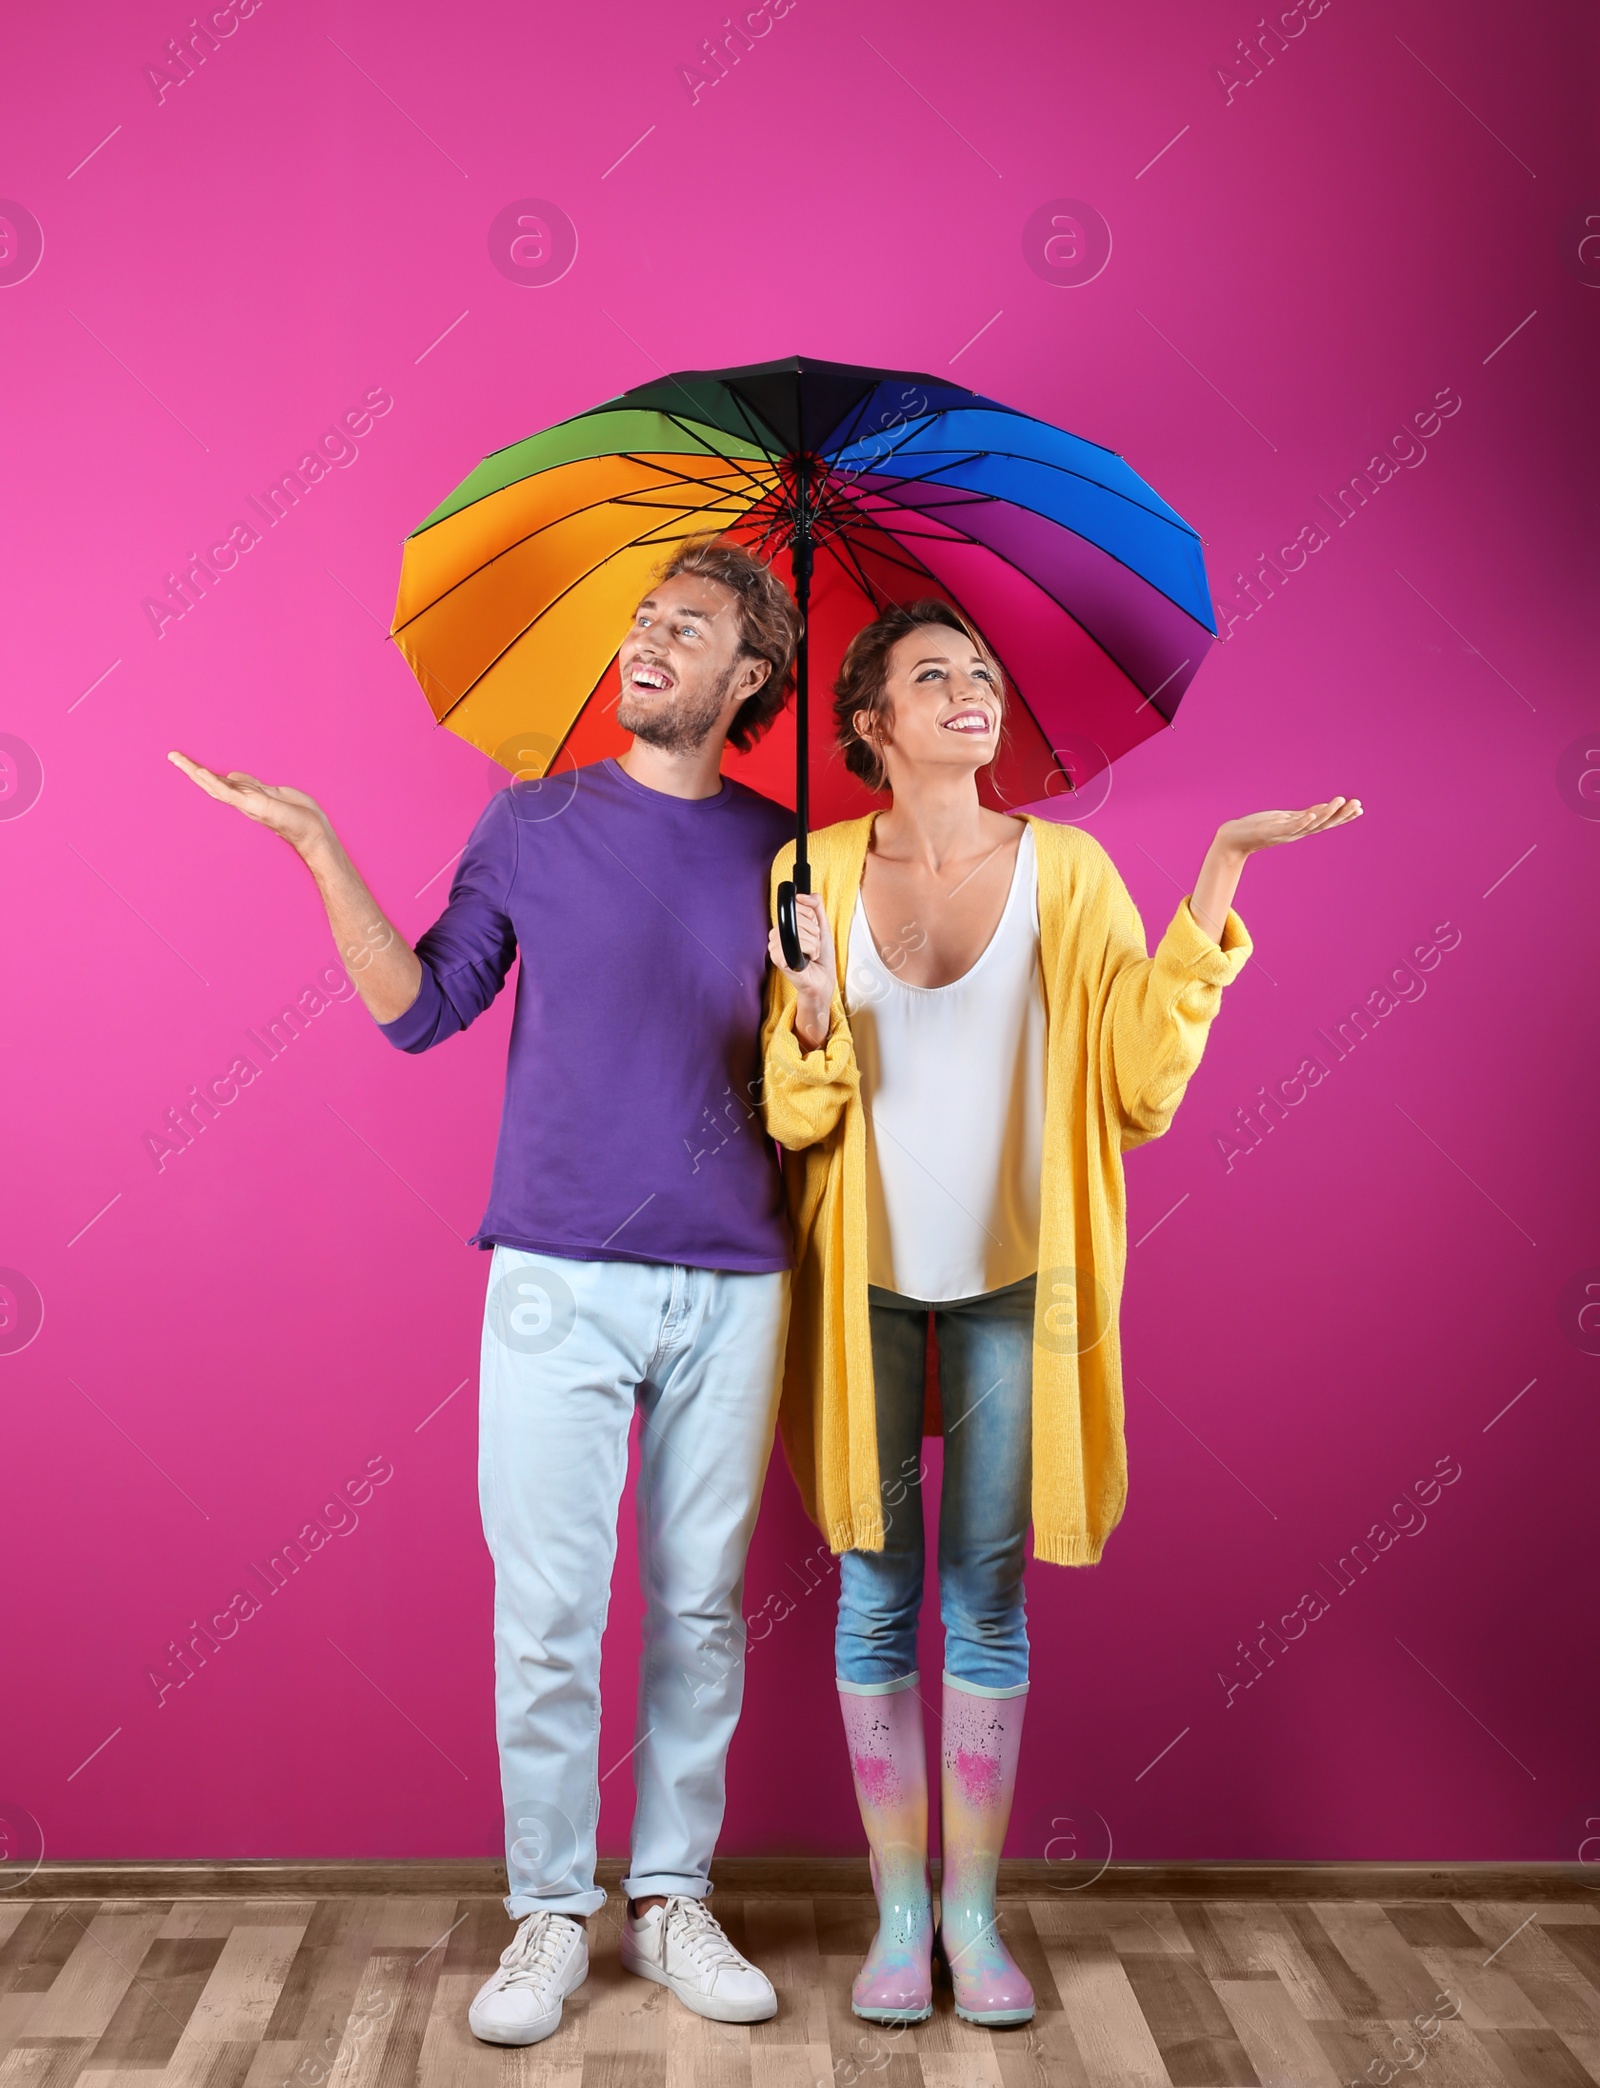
[{"x": 321, "y": 852}]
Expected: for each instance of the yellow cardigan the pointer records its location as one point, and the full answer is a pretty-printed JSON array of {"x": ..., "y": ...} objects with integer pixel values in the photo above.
[{"x": 1126, "y": 1031}]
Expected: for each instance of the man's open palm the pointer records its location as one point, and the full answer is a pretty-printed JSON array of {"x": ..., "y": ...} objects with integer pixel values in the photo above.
[{"x": 298, "y": 818}]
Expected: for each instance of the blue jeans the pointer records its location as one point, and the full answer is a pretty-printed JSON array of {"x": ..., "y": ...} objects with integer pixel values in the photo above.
[
  {"x": 986, "y": 1392},
  {"x": 571, "y": 1351}
]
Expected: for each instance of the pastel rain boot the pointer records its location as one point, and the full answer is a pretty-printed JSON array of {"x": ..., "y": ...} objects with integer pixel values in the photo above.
[
  {"x": 889, "y": 1764},
  {"x": 978, "y": 1762}
]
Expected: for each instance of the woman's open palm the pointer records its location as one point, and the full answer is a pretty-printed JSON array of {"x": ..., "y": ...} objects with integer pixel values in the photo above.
[{"x": 1272, "y": 829}]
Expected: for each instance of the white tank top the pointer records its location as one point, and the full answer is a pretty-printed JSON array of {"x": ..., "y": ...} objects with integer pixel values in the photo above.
[{"x": 952, "y": 1080}]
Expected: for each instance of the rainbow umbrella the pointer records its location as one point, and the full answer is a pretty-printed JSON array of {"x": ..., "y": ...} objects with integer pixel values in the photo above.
[{"x": 878, "y": 486}]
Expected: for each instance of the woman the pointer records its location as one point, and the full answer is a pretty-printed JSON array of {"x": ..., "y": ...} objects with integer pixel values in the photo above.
[{"x": 954, "y": 1119}]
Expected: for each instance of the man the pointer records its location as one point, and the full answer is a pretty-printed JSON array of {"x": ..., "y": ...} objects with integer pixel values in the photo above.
[{"x": 640, "y": 1257}]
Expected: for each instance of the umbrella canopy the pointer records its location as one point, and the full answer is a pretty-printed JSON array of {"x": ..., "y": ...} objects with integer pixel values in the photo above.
[{"x": 868, "y": 486}]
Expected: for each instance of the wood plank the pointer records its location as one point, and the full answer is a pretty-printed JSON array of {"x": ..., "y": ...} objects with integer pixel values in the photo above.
[
  {"x": 1112, "y": 2036},
  {"x": 1431, "y": 1922},
  {"x": 316, "y": 1998},
  {"x": 1534, "y": 2059},
  {"x": 793, "y": 2066},
  {"x": 1581, "y": 1944},
  {"x": 52, "y": 2062},
  {"x": 1043, "y": 2054},
  {"x": 1139, "y": 1992},
  {"x": 613, "y": 2014},
  {"x": 220, "y": 1917},
  {"x": 781, "y": 1937},
  {"x": 40, "y": 1945},
  {"x": 1456, "y": 2057},
  {"x": 451, "y": 2056},
  {"x": 1130, "y": 1926},
  {"x": 1210, "y": 1946},
  {"x": 85, "y": 1994},
  {"x": 408, "y": 1922},
  {"x": 365, "y": 2034},
  {"x": 151, "y": 2015},
  {"x": 402, "y": 2052},
  {"x": 16, "y": 2012},
  {"x": 1586, "y": 2050},
  {"x": 703, "y": 2054},
  {"x": 1516, "y": 1939},
  {"x": 476, "y": 1945},
  {"x": 961, "y": 2069},
  {"x": 243, "y": 1989},
  {"x": 1566, "y": 2004},
  {"x": 1280, "y": 2044},
  {"x": 1485, "y": 1997},
  {"x": 1351, "y": 1993},
  {"x": 1020, "y": 1877},
  {"x": 1374, "y": 1948},
  {"x": 271, "y": 2066},
  {"x": 229, "y": 2063},
  {"x": 1260, "y": 1940},
  {"x": 1193, "y": 2031}
]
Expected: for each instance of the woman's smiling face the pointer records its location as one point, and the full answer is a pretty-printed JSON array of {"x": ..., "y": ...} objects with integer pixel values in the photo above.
[{"x": 943, "y": 704}]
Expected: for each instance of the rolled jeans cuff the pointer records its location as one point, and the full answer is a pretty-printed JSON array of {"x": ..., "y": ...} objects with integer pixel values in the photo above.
[
  {"x": 647, "y": 1884},
  {"x": 519, "y": 1905},
  {"x": 877, "y": 1688},
  {"x": 978, "y": 1689}
]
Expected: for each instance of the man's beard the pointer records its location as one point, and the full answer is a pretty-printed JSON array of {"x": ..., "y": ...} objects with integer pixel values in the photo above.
[{"x": 685, "y": 725}]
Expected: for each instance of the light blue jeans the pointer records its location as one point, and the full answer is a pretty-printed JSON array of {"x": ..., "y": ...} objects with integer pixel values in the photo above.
[
  {"x": 986, "y": 1394},
  {"x": 571, "y": 1349}
]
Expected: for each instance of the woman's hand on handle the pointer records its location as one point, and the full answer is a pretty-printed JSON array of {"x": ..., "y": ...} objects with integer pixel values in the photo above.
[
  {"x": 386, "y": 970},
  {"x": 1238, "y": 838},
  {"x": 815, "y": 986}
]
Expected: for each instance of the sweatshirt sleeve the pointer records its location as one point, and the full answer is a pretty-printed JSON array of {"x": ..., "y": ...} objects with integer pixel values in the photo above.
[
  {"x": 468, "y": 951},
  {"x": 1158, "y": 1010},
  {"x": 804, "y": 1093}
]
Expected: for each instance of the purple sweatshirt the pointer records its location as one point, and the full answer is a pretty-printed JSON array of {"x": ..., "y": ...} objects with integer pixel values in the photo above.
[{"x": 629, "y": 1130}]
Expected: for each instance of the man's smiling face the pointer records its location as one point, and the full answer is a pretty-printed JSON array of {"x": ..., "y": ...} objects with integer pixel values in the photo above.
[{"x": 683, "y": 666}]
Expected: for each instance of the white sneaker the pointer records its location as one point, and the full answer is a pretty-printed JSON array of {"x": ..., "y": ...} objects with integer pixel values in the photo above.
[
  {"x": 544, "y": 1961},
  {"x": 681, "y": 1945}
]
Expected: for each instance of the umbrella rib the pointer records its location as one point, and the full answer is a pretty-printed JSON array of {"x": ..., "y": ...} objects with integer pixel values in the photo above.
[
  {"x": 915, "y": 566},
  {"x": 908, "y": 563},
  {"x": 1016, "y": 456},
  {"x": 1143, "y": 578},
  {"x": 842, "y": 549},
  {"x": 697, "y": 430},
  {"x": 1171, "y": 521},
  {"x": 588, "y": 572},
  {"x": 735, "y": 461},
  {"x": 588, "y": 508},
  {"x": 973, "y": 544},
  {"x": 759, "y": 429},
  {"x": 912, "y": 427},
  {"x": 837, "y": 440}
]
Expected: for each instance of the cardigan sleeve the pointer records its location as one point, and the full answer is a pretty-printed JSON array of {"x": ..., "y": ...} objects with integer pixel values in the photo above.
[
  {"x": 803, "y": 1093},
  {"x": 1159, "y": 1009}
]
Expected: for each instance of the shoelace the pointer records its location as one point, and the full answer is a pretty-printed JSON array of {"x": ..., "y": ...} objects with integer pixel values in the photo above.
[
  {"x": 692, "y": 1923},
  {"x": 535, "y": 1952}
]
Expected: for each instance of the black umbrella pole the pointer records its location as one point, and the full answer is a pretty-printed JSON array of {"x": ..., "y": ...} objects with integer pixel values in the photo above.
[{"x": 788, "y": 914}]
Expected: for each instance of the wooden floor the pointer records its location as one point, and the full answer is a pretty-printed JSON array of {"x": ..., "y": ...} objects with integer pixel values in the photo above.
[{"x": 372, "y": 1992}]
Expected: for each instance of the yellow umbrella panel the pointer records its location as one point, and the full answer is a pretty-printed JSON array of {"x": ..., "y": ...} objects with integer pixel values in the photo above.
[{"x": 512, "y": 605}]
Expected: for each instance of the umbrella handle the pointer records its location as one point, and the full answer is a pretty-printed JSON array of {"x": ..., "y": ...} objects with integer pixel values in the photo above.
[{"x": 789, "y": 917}]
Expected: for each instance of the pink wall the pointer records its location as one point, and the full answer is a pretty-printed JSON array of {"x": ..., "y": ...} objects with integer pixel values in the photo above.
[{"x": 1295, "y": 272}]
